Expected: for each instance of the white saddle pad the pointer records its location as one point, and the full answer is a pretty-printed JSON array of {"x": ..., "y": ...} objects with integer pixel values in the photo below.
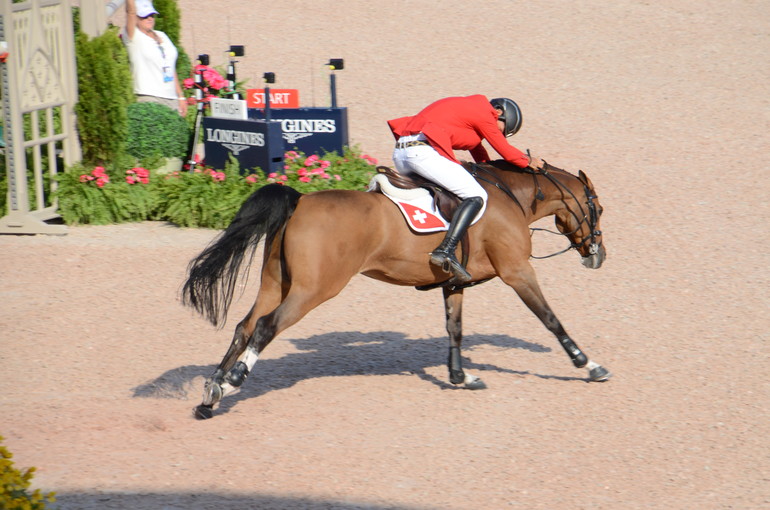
[{"x": 416, "y": 205}]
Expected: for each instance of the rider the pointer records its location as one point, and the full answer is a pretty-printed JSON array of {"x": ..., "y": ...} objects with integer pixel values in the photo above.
[{"x": 425, "y": 144}]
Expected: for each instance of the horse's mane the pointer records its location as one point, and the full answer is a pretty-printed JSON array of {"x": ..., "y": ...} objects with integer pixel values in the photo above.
[{"x": 504, "y": 165}]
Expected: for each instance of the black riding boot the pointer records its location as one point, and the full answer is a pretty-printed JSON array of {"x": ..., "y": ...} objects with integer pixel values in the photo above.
[{"x": 444, "y": 255}]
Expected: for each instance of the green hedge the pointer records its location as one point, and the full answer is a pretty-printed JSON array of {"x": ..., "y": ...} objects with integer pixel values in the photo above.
[
  {"x": 156, "y": 130},
  {"x": 105, "y": 91}
]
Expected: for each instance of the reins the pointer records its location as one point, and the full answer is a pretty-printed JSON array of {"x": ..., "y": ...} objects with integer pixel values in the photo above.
[
  {"x": 590, "y": 217},
  {"x": 497, "y": 183}
]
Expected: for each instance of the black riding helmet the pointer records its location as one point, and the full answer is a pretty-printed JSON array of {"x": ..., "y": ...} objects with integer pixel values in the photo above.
[{"x": 511, "y": 114}]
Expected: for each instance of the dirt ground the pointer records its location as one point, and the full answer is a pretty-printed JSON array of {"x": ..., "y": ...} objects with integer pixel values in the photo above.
[{"x": 667, "y": 108}]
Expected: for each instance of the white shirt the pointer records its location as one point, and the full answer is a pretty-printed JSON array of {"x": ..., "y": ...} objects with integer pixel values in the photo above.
[{"x": 152, "y": 64}]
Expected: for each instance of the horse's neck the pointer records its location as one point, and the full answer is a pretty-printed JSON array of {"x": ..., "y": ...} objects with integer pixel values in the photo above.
[{"x": 553, "y": 196}]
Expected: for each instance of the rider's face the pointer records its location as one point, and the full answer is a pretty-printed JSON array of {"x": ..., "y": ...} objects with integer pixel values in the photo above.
[{"x": 500, "y": 123}]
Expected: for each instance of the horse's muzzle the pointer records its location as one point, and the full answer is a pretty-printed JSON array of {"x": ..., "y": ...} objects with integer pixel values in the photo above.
[{"x": 596, "y": 257}]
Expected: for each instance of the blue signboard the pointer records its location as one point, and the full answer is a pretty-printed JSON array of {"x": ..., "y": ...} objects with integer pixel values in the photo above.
[
  {"x": 253, "y": 143},
  {"x": 310, "y": 130}
]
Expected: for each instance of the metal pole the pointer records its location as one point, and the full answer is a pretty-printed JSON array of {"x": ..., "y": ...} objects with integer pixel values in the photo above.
[
  {"x": 333, "y": 83},
  {"x": 267, "y": 104}
]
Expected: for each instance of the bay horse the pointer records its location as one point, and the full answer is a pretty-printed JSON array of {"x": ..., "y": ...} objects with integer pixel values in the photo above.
[{"x": 364, "y": 232}]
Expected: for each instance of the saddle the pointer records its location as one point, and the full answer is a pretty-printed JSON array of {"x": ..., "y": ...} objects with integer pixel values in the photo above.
[{"x": 445, "y": 202}]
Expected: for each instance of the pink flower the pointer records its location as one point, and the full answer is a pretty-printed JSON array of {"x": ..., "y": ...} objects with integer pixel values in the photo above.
[
  {"x": 325, "y": 164},
  {"x": 311, "y": 160},
  {"x": 302, "y": 172},
  {"x": 86, "y": 178},
  {"x": 305, "y": 179},
  {"x": 291, "y": 155},
  {"x": 251, "y": 178},
  {"x": 131, "y": 180},
  {"x": 98, "y": 171},
  {"x": 188, "y": 83},
  {"x": 272, "y": 175},
  {"x": 101, "y": 181},
  {"x": 337, "y": 177},
  {"x": 325, "y": 176},
  {"x": 283, "y": 178}
]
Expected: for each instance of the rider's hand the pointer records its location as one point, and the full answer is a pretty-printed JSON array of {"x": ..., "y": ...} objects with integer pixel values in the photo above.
[{"x": 535, "y": 163}]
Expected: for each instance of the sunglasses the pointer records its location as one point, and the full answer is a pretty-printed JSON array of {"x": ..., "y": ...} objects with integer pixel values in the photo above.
[{"x": 148, "y": 16}]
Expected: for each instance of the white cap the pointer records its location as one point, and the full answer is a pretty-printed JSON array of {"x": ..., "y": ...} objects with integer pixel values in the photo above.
[{"x": 144, "y": 8}]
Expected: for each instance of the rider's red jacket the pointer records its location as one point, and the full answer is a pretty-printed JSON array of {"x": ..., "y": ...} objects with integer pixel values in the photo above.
[{"x": 460, "y": 123}]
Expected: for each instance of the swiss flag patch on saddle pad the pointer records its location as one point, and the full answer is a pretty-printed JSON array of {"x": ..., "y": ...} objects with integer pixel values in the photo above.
[{"x": 417, "y": 205}]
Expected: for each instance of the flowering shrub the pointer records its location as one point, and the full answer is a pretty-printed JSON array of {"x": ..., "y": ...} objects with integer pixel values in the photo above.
[
  {"x": 201, "y": 196},
  {"x": 332, "y": 171},
  {"x": 96, "y": 198},
  {"x": 14, "y": 486},
  {"x": 98, "y": 176},
  {"x": 212, "y": 84},
  {"x": 138, "y": 175}
]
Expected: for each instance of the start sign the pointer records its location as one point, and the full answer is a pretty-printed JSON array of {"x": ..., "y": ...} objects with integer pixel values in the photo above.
[{"x": 279, "y": 98}]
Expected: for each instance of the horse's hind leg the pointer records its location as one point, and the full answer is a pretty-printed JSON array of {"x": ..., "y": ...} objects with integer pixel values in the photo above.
[
  {"x": 297, "y": 303},
  {"x": 231, "y": 371},
  {"x": 525, "y": 284},
  {"x": 453, "y": 308}
]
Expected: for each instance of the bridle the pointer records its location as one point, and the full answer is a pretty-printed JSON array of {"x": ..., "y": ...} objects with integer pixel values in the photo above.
[{"x": 588, "y": 215}]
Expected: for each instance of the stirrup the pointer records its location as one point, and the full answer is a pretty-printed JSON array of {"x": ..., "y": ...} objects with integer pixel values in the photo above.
[{"x": 449, "y": 264}]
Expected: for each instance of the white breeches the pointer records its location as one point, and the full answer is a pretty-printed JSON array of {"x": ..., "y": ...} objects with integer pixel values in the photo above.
[{"x": 426, "y": 162}]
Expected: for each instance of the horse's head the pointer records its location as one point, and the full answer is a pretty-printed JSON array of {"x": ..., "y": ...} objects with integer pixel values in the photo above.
[{"x": 579, "y": 222}]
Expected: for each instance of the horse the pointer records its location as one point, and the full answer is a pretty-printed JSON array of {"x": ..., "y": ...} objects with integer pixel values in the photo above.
[{"x": 363, "y": 232}]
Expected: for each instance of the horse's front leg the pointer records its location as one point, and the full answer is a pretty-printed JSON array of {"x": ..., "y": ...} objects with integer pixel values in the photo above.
[
  {"x": 453, "y": 307},
  {"x": 525, "y": 284}
]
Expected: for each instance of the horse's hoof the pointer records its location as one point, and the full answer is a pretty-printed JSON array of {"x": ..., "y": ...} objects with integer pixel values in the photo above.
[
  {"x": 599, "y": 374},
  {"x": 203, "y": 412},
  {"x": 212, "y": 393},
  {"x": 474, "y": 383}
]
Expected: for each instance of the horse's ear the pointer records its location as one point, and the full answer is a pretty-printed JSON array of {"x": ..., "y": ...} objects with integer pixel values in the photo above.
[{"x": 584, "y": 179}]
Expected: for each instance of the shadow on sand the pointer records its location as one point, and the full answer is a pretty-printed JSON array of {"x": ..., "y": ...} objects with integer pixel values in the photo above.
[
  {"x": 205, "y": 501},
  {"x": 345, "y": 354}
]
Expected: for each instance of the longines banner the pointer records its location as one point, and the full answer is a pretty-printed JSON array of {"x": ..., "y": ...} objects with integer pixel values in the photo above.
[
  {"x": 252, "y": 142},
  {"x": 310, "y": 130}
]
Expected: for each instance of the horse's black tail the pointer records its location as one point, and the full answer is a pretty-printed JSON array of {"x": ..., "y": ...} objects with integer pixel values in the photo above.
[{"x": 213, "y": 274}]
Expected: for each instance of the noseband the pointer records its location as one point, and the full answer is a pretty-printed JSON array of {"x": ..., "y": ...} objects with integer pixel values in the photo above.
[{"x": 590, "y": 217}]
